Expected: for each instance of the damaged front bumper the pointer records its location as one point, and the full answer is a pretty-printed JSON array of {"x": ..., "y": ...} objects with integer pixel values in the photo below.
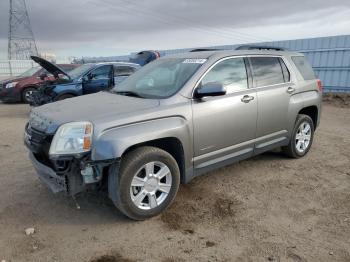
[
  {"x": 71, "y": 174},
  {"x": 55, "y": 182},
  {"x": 38, "y": 98},
  {"x": 80, "y": 174}
]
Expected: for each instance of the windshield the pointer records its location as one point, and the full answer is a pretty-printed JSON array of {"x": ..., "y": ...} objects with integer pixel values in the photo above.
[
  {"x": 160, "y": 79},
  {"x": 31, "y": 71},
  {"x": 79, "y": 71}
]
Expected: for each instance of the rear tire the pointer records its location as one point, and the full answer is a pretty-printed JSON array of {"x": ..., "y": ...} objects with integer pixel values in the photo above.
[
  {"x": 302, "y": 137},
  {"x": 145, "y": 184},
  {"x": 26, "y": 93}
]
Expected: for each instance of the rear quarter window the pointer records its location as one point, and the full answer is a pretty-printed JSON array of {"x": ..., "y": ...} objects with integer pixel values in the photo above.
[{"x": 304, "y": 67}]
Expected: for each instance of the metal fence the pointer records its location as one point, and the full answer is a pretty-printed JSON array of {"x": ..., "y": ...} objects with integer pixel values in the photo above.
[{"x": 15, "y": 67}]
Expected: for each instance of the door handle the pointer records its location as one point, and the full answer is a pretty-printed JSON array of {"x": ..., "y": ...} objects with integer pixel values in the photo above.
[
  {"x": 247, "y": 99},
  {"x": 290, "y": 90}
]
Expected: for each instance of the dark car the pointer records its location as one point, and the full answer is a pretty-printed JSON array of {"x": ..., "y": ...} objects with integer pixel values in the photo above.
[
  {"x": 144, "y": 57},
  {"x": 86, "y": 79},
  {"x": 18, "y": 89}
]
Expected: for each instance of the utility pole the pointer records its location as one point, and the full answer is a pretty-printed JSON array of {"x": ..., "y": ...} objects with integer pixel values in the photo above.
[{"x": 21, "y": 42}]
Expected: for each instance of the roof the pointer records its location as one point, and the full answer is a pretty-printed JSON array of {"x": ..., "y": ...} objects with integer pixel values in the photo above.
[
  {"x": 225, "y": 53},
  {"x": 116, "y": 63}
]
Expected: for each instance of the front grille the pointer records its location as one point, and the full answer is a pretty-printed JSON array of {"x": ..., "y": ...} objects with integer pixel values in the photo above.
[{"x": 39, "y": 143}]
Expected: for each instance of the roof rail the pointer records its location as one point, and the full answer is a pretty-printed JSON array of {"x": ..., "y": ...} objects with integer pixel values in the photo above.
[
  {"x": 259, "y": 47},
  {"x": 204, "y": 49}
]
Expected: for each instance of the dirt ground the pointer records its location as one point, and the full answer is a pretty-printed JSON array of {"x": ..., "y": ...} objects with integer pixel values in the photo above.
[{"x": 269, "y": 208}]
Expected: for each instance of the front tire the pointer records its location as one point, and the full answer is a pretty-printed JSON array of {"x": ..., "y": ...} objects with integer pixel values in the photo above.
[
  {"x": 302, "y": 137},
  {"x": 146, "y": 183},
  {"x": 27, "y": 93}
]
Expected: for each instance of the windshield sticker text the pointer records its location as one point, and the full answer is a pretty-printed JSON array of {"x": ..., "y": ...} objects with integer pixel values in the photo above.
[{"x": 194, "y": 61}]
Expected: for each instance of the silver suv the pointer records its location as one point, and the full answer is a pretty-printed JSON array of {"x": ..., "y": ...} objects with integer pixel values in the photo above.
[{"x": 174, "y": 119}]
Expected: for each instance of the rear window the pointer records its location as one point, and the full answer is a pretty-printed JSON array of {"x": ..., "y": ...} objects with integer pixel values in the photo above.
[
  {"x": 304, "y": 67},
  {"x": 268, "y": 71}
]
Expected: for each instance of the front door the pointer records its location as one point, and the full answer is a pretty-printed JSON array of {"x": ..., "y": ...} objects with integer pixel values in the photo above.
[
  {"x": 98, "y": 79},
  {"x": 225, "y": 126}
]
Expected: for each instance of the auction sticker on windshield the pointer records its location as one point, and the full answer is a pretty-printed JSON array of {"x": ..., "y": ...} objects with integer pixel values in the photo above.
[{"x": 194, "y": 61}]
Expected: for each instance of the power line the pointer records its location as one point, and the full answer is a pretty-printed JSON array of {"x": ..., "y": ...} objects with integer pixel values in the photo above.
[
  {"x": 169, "y": 20},
  {"x": 231, "y": 32}
]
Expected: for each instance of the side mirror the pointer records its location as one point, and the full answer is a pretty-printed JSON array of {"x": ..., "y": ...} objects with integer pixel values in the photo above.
[
  {"x": 42, "y": 76},
  {"x": 210, "y": 89}
]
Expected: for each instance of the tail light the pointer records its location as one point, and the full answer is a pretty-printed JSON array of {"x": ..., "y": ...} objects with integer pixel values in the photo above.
[{"x": 319, "y": 85}]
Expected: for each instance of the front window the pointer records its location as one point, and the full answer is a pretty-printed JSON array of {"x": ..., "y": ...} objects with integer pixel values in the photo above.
[
  {"x": 161, "y": 78},
  {"x": 230, "y": 73},
  {"x": 123, "y": 70},
  {"x": 102, "y": 72},
  {"x": 80, "y": 71},
  {"x": 30, "y": 72}
]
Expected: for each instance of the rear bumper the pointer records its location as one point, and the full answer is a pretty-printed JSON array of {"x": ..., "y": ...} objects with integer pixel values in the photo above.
[{"x": 55, "y": 182}]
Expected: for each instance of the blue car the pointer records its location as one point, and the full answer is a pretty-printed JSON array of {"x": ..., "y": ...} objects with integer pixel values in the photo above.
[{"x": 85, "y": 79}]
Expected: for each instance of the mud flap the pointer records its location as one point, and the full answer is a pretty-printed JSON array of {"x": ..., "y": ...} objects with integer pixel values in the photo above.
[{"x": 113, "y": 180}]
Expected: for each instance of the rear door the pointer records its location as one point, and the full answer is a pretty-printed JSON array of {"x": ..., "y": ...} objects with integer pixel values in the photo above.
[
  {"x": 274, "y": 88},
  {"x": 98, "y": 79}
]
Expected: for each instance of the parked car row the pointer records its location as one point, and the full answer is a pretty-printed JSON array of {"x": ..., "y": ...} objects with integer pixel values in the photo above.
[
  {"x": 172, "y": 120},
  {"x": 50, "y": 82},
  {"x": 19, "y": 89},
  {"x": 86, "y": 79}
]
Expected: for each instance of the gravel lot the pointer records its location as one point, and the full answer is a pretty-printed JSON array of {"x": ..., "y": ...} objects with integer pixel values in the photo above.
[{"x": 269, "y": 208}]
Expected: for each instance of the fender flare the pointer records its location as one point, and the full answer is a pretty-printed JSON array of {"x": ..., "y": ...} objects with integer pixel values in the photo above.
[
  {"x": 300, "y": 101},
  {"x": 68, "y": 92}
]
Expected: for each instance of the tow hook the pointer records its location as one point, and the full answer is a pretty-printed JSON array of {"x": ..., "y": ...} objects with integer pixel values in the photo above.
[{"x": 76, "y": 202}]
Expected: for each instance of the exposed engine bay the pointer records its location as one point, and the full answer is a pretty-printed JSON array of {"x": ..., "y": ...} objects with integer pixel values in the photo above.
[{"x": 45, "y": 94}]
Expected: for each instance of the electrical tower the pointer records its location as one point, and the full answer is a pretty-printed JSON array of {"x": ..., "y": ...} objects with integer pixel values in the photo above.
[{"x": 21, "y": 42}]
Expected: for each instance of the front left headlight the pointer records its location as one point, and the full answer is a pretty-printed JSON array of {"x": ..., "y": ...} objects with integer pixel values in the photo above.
[
  {"x": 72, "y": 138},
  {"x": 11, "y": 85}
]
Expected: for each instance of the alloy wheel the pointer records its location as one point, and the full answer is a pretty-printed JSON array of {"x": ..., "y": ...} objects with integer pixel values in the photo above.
[
  {"x": 303, "y": 137},
  {"x": 151, "y": 185}
]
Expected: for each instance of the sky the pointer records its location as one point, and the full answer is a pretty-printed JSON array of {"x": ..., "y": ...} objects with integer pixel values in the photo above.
[{"x": 117, "y": 27}]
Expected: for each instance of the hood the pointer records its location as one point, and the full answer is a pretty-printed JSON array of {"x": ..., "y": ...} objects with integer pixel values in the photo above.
[
  {"x": 50, "y": 67},
  {"x": 99, "y": 108},
  {"x": 10, "y": 79}
]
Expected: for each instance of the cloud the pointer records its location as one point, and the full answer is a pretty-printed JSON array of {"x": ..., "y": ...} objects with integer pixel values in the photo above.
[{"x": 102, "y": 27}]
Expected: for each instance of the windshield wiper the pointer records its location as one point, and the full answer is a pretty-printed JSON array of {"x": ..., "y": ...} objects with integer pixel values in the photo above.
[{"x": 128, "y": 93}]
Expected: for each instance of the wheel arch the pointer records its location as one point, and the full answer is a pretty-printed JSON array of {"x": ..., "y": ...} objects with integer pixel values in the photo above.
[
  {"x": 312, "y": 112},
  {"x": 65, "y": 93},
  {"x": 172, "y": 145},
  {"x": 27, "y": 87}
]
